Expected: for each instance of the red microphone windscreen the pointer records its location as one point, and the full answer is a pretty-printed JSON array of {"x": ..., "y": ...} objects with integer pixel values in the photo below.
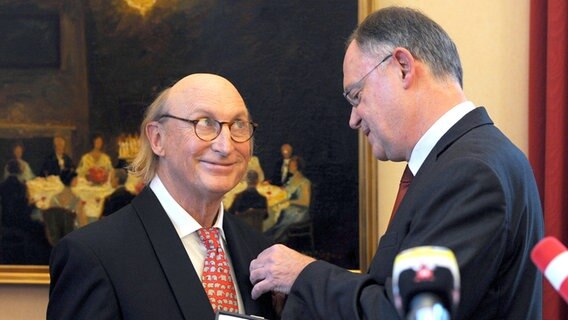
[
  {"x": 551, "y": 257},
  {"x": 546, "y": 250}
]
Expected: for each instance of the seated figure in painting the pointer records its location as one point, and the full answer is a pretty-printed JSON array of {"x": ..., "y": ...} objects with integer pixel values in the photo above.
[
  {"x": 249, "y": 198},
  {"x": 254, "y": 165},
  {"x": 58, "y": 161},
  {"x": 298, "y": 189},
  {"x": 63, "y": 212},
  {"x": 23, "y": 239},
  {"x": 16, "y": 210},
  {"x": 120, "y": 196},
  {"x": 96, "y": 166},
  {"x": 26, "y": 172}
]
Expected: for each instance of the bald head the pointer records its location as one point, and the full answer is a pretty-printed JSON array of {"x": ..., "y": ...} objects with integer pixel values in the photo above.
[
  {"x": 200, "y": 95},
  {"x": 204, "y": 88}
]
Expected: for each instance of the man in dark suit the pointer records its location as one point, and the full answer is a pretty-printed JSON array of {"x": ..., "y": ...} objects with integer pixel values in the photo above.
[
  {"x": 473, "y": 191},
  {"x": 14, "y": 204},
  {"x": 250, "y": 197},
  {"x": 150, "y": 260},
  {"x": 58, "y": 161},
  {"x": 281, "y": 174},
  {"x": 19, "y": 230},
  {"x": 120, "y": 197}
]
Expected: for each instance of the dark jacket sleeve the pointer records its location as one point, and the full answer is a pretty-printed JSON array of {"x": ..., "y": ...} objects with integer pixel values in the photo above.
[{"x": 325, "y": 291}]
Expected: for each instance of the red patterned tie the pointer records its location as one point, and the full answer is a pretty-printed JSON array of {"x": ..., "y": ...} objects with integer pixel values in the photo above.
[
  {"x": 404, "y": 183},
  {"x": 216, "y": 278}
]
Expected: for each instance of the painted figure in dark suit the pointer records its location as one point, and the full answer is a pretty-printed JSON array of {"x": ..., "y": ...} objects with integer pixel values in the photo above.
[
  {"x": 120, "y": 197},
  {"x": 146, "y": 260},
  {"x": 58, "y": 161},
  {"x": 250, "y": 197},
  {"x": 473, "y": 190},
  {"x": 281, "y": 174},
  {"x": 23, "y": 239},
  {"x": 15, "y": 208}
]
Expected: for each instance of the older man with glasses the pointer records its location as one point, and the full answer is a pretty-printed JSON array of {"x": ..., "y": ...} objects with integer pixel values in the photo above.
[{"x": 173, "y": 253}]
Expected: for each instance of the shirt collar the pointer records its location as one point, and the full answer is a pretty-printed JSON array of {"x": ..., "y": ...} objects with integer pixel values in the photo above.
[
  {"x": 435, "y": 133},
  {"x": 183, "y": 222}
]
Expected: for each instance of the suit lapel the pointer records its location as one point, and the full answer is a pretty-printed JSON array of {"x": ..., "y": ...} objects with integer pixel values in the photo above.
[
  {"x": 390, "y": 242},
  {"x": 475, "y": 118},
  {"x": 176, "y": 265},
  {"x": 241, "y": 255},
  {"x": 243, "y": 246}
]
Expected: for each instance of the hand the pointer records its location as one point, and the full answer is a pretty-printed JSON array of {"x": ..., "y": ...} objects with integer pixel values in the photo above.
[{"x": 275, "y": 269}]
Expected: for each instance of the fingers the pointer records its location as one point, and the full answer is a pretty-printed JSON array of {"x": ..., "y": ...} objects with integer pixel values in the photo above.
[
  {"x": 260, "y": 273},
  {"x": 260, "y": 288},
  {"x": 275, "y": 269},
  {"x": 256, "y": 272}
]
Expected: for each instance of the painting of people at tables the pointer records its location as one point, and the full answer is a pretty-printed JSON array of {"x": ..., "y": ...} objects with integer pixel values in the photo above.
[
  {"x": 72, "y": 120},
  {"x": 42, "y": 202}
]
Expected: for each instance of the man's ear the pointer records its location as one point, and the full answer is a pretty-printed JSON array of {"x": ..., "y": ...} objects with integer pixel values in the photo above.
[
  {"x": 407, "y": 65},
  {"x": 155, "y": 134}
]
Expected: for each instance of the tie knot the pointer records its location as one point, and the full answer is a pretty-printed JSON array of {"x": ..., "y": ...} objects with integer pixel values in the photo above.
[{"x": 209, "y": 237}]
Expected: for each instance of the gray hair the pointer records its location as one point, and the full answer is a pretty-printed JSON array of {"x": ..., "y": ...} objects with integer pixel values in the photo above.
[{"x": 392, "y": 27}]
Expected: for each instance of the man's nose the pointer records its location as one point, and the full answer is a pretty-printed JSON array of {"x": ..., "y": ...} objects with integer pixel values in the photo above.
[
  {"x": 354, "y": 119},
  {"x": 224, "y": 143}
]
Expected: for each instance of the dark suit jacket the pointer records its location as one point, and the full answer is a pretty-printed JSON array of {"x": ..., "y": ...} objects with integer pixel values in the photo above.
[
  {"x": 132, "y": 265},
  {"x": 51, "y": 165},
  {"x": 475, "y": 194}
]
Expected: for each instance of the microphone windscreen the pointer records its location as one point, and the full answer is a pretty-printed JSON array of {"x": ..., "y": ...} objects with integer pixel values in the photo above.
[
  {"x": 439, "y": 281},
  {"x": 551, "y": 257},
  {"x": 426, "y": 269},
  {"x": 545, "y": 251}
]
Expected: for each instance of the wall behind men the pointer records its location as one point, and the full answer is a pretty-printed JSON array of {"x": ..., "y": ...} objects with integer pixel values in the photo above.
[{"x": 492, "y": 38}]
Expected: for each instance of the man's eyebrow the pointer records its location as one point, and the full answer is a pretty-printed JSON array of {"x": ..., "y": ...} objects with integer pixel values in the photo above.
[{"x": 350, "y": 87}]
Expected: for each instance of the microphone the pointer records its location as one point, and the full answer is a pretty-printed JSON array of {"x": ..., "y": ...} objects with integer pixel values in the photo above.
[
  {"x": 426, "y": 283},
  {"x": 551, "y": 257}
]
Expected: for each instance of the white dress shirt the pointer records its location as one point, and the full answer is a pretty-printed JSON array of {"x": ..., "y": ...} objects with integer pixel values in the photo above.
[
  {"x": 284, "y": 170},
  {"x": 434, "y": 134},
  {"x": 186, "y": 227}
]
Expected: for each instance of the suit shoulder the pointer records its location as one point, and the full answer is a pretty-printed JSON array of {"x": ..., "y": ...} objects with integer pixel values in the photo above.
[{"x": 120, "y": 223}]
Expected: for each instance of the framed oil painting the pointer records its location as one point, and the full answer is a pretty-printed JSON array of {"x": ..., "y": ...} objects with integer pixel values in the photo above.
[{"x": 104, "y": 61}]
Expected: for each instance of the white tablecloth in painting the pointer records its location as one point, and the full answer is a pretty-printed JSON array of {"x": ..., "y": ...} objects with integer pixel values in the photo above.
[
  {"x": 92, "y": 196},
  {"x": 276, "y": 196},
  {"x": 42, "y": 189}
]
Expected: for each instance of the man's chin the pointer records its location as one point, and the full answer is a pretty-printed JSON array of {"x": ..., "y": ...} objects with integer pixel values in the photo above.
[
  {"x": 379, "y": 154},
  {"x": 219, "y": 186}
]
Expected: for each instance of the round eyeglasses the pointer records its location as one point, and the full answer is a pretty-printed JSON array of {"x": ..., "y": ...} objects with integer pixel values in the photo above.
[{"x": 208, "y": 129}]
